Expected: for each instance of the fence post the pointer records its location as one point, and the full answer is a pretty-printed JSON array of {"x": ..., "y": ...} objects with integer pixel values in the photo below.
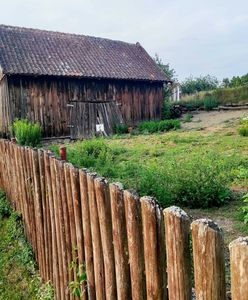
[
  {"x": 135, "y": 245},
  {"x": 96, "y": 239},
  {"x": 209, "y": 262},
  {"x": 87, "y": 235},
  {"x": 239, "y": 268},
  {"x": 63, "y": 153},
  {"x": 104, "y": 215},
  {"x": 120, "y": 242},
  {"x": 151, "y": 222},
  {"x": 177, "y": 229}
]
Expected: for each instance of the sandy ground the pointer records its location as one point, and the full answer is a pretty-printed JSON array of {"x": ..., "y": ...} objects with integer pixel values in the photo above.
[{"x": 213, "y": 120}]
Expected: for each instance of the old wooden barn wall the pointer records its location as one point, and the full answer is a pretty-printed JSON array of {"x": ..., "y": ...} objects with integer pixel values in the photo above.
[
  {"x": 4, "y": 106},
  {"x": 46, "y": 99}
]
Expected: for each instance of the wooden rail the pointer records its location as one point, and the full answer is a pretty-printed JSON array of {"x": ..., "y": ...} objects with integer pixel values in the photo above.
[{"x": 130, "y": 247}]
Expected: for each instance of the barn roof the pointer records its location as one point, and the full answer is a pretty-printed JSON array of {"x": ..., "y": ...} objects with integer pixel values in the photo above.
[{"x": 39, "y": 52}]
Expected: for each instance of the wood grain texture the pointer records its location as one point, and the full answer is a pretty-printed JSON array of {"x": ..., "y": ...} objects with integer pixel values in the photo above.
[
  {"x": 209, "y": 261},
  {"x": 239, "y": 268},
  {"x": 177, "y": 229},
  {"x": 135, "y": 245},
  {"x": 120, "y": 242}
]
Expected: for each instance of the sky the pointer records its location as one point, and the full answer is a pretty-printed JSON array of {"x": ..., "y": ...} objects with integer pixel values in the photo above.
[{"x": 195, "y": 37}]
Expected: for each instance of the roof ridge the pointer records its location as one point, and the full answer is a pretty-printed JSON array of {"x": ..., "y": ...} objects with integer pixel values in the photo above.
[{"x": 55, "y": 32}]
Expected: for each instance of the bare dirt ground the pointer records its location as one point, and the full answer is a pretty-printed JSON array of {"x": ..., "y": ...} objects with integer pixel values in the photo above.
[{"x": 214, "y": 120}]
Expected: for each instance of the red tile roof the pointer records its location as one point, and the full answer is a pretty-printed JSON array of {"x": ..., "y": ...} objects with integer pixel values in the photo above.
[{"x": 40, "y": 52}]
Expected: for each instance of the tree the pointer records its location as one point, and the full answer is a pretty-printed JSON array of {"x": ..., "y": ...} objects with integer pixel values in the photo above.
[
  {"x": 169, "y": 73},
  {"x": 197, "y": 84}
]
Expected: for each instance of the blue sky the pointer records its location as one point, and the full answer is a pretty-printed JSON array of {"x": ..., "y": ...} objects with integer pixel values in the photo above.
[{"x": 195, "y": 37}]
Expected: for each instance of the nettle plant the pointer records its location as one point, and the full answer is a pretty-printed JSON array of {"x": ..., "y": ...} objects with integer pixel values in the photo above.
[{"x": 78, "y": 286}]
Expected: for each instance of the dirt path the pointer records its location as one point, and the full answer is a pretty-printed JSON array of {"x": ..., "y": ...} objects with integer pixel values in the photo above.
[{"x": 214, "y": 120}]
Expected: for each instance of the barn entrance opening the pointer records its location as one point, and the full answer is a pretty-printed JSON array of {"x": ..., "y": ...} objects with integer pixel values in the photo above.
[{"x": 90, "y": 118}]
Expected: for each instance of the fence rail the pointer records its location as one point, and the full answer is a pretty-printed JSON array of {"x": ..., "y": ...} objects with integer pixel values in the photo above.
[{"x": 131, "y": 249}]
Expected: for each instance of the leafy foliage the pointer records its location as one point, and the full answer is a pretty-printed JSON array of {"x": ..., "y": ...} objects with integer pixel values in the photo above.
[
  {"x": 77, "y": 286},
  {"x": 243, "y": 128},
  {"x": 170, "y": 111},
  {"x": 236, "y": 81},
  {"x": 169, "y": 73},
  {"x": 193, "y": 85},
  {"x": 27, "y": 133}
]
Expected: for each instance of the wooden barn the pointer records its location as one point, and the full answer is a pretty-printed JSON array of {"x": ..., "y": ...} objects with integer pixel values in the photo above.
[{"x": 72, "y": 83}]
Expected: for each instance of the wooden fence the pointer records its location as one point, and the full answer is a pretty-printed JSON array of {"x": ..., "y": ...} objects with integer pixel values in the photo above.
[{"x": 130, "y": 247}]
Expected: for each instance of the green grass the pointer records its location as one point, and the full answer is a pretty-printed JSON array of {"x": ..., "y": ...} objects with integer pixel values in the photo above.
[
  {"x": 19, "y": 277},
  {"x": 195, "y": 169}
]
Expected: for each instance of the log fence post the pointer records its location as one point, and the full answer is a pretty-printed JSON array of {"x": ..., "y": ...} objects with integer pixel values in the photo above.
[
  {"x": 239, "y": 268},
  {"x": 209, "y": 261}
]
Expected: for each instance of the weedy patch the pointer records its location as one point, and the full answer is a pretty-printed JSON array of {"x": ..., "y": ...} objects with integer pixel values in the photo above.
[{"x": 19, "y": 278}]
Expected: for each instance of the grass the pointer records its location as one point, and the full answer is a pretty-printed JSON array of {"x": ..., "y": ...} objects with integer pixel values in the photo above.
[
  {"x": 19, "y": 278},
  {"x": 153, "y": 164}
]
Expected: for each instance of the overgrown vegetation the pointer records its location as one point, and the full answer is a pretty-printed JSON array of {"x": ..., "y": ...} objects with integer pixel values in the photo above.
[
  {"x": 27, "y": 133},
  {"x": 121, "y": 128},
  {"x": 188, "y": 169},
  {"x": 245, "y": 208},
  {"x": 193, "y": 85},
  {"x": 243, "y": 128},
  {"x": 18, "y": 273},
  {"x": 78, "y": 286},
  {"x": 159, "y": 126}
]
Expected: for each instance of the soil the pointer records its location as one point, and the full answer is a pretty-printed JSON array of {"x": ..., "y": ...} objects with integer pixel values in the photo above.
[{"x": 213, "y": 120}]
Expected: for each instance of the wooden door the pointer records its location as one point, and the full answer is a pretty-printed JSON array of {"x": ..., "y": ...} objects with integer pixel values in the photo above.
[{"x": 84, "y": 116}]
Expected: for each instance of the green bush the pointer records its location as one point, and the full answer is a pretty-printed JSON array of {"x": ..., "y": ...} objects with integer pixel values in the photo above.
[
  {"x": 5, "y": 208},
  {"x": 27, "y": 133},
  {"x": 159, "y": 126},
  {"x": 198, "y": 181},
  {"x": 121, "y": 129},
  {"x": 210, "y": 102},
  {"x": 243, "y": 128},
  {"x": 170, "y": 111}
]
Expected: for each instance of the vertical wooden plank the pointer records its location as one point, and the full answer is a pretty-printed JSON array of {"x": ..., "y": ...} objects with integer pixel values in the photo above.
[
  {"x": 135, "y": 245},
  {"x": 154, "y": 279},
  {"x": 59, "y": 207},
  {"x": 209, "y": 262},
  {"x": 38, "y": 211},
  {"x": 87, "y": 235},
  {"x": 96, "y": 240},
  {"x": 54, "y": 259},
  {"x": 67, "y": 242},
  {"x": 78, "y": 220},
  {"x": 56, "y": 196},
  {"x": 44, "y": 211},
  {"x": 239, "y": 268},
  {"x": 120, "y": 242},
  {"x": 177, "y": 229},
  {"x": 104, "y": 215}
]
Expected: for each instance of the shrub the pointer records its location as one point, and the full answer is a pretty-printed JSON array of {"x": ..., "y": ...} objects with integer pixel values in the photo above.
[
  {"x": 210, "y": 102},
  {"x": 121, "y": 129},
  {"x": 243, "y": 128},
  {"x": 27, "y": 133},
  {"x": 5, "y": 208},
  {"x": 196, "y": 182},
  {"x": 170, "y": 111},
  {"x": 159, "y": 126}
]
